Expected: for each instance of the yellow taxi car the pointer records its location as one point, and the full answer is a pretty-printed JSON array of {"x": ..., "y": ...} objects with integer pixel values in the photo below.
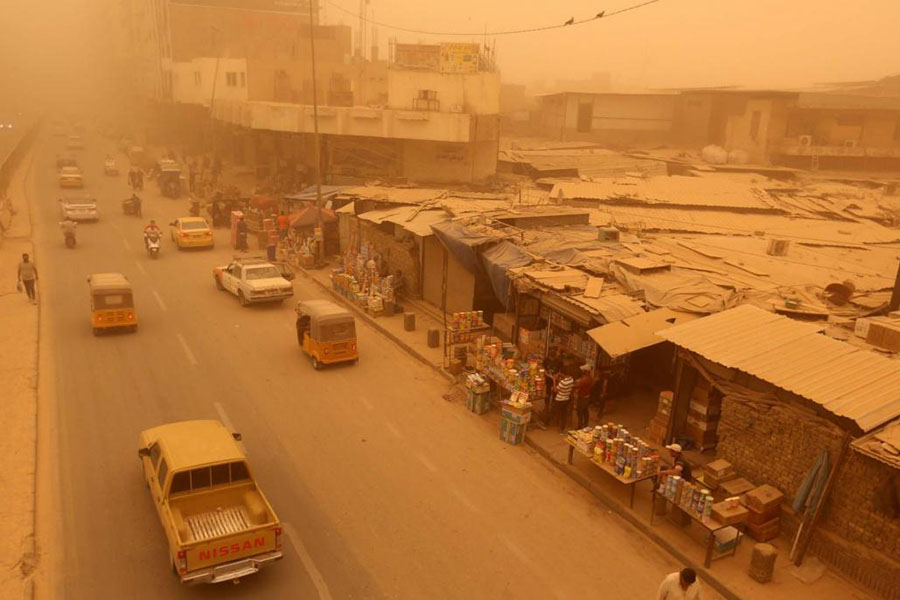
[{"x": 191, "y": 232}]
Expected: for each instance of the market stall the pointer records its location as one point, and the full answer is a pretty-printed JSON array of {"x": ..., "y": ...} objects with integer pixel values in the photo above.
[
  {"x": 626, "y": 458},
  {"x": 360, "y": 281}
]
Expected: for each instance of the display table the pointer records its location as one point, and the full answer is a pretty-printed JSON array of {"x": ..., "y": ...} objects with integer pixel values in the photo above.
[
  {"x": 609, "y": 470},
  {"x": 709, "y": 524}
]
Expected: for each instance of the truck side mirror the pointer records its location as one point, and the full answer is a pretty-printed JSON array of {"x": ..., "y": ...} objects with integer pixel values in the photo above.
[
  {"x": 237, "y": 437},
  {"x": 172, "y": 224},
  {"x": 142, "y": 452}
]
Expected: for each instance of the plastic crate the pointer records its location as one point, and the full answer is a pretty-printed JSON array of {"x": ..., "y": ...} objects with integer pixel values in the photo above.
[{"x": 512, "y": 433}]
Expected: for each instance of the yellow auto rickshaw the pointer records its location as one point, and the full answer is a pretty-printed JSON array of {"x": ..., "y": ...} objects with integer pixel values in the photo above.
[
  {"x": 112, "y": 303},
  {"x": 326, "y": 332}
]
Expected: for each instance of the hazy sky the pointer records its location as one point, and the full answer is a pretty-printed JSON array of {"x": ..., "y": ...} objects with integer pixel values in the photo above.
[{"x": 670, "y": 43}]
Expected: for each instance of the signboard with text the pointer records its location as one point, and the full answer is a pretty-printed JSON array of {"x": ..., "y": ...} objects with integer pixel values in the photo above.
[{"x": 459, "y": 58}]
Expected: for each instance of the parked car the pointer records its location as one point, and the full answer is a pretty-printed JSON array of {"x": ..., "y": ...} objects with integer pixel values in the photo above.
[{"x": 253, "y": 280}]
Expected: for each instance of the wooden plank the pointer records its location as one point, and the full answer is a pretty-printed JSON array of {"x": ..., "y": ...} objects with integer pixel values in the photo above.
[
  {"x": 593, "y": 288},
  {"x": 702, "y": 251},
  {"x": 748, "y": 268}
]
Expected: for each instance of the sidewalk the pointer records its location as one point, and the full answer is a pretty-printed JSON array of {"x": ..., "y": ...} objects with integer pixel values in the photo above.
[
  {"x": 727, "y": 576},
  {"x": 18, "y": 380}
]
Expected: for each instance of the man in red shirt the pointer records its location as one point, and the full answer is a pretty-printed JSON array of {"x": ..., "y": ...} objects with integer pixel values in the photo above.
[{"x": 284, "y": 222}]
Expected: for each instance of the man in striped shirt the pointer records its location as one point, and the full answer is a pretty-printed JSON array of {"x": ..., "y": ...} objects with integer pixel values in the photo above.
[{"x": 563, "y": 399}]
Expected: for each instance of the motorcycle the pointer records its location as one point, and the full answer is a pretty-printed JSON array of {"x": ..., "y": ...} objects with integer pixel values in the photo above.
[
  {"x": 70, "y": 239},
  {"x": 132, "y": 206},
  {"x": 153, "y": 244},
  {"x": 68, "y": 230}
]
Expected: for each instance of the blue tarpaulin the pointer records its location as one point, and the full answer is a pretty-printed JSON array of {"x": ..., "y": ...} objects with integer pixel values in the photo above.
[
  {"x": 461, "y": 242},
  {"x": 498, "y": 259}
]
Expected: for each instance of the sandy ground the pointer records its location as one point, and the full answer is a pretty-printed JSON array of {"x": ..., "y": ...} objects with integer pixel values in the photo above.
[
  {"x": 386, "y": 489},
  {"x": 18, "y": 378}
]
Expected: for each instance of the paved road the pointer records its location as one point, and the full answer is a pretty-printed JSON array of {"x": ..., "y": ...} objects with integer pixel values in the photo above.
[{"x": 387, "y": 489}]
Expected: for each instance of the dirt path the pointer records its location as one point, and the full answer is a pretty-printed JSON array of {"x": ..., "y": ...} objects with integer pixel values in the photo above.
[{"x": 18, "y": 378}]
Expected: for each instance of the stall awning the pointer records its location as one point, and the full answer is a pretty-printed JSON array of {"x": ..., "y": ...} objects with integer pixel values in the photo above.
[{"x": 637, "y": 332}]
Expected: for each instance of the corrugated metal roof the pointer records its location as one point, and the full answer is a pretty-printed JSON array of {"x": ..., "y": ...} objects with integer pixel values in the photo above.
[
  {"x": 845, "y": 380},
  {"x": 397, "y": 195},
  {"x": 410, "y": 218}
]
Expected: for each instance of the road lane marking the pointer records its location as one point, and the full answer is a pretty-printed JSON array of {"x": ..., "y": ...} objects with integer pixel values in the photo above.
[
  {"x": 393, "y": 429},
  {"x": 141, "y": 268},
  {"x": 515, "y": 549},
  {"x": 307, "y": 560},
  {"x": 187, "y": 349},
  {"x": 223, "y": 416},
  {"x": 159, "y": 300},
  {"x": 366, "y": 403},
  {"x": 127, "y": 245},
  {"x": 463, "y": 499},
  {"x": 428, "y": 464}
]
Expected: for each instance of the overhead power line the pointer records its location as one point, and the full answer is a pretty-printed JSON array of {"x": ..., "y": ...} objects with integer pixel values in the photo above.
[{"x": 570, "y": 23}]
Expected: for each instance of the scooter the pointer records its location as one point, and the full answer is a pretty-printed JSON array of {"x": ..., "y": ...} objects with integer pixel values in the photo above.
[
  {"x": 70, "y": 239},
  {"x": 153, "y": 245}
]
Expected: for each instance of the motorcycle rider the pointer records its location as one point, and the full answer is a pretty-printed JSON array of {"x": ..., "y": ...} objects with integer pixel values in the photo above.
[
  {"x": 135, "y": 201},
  {"x": 68, "y": 227},
  {"x": 152, "y": 228}
]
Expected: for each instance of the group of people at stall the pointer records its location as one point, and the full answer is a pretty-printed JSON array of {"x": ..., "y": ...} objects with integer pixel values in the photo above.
[{"x": 564, "y": 383}]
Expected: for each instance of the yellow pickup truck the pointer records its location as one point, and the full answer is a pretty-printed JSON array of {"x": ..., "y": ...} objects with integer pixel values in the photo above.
[{"x": 218, "y": 524}]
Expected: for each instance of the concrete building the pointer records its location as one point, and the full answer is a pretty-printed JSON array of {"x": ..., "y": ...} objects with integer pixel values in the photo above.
[
  {"x": 841, "y": 131},
  {"x": 608, "y": 118}
]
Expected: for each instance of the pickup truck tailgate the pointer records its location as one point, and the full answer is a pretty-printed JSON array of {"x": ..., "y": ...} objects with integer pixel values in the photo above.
[{"x": 230, "y": 548}]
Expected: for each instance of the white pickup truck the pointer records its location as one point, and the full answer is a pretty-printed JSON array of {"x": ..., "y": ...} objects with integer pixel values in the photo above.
[{"x": 254, "y": 280}]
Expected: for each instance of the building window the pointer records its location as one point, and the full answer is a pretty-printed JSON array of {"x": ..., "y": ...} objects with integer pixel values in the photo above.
[
  {"x": 243, "y": 79},
  {"x": 196, "y": 77},
  {"x": 754, "y": 125},
  {"x": 231, "y": 79}
]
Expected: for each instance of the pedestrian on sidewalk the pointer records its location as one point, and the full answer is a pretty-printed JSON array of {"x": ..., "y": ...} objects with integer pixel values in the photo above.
[
  {"x": 549, "y": 391},
  {"x": 583, "y": 396},
  {"x": 598, "y": 395},
  {"x": 682, "y": 585},
  {"x": 284, "y": 222},
  {"x": 562, "y": 403},
  {"x": 27, "y": 276}
]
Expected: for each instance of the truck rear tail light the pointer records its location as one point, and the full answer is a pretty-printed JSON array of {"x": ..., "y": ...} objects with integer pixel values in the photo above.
[
  {"x": 278, "y": 537},
  {"x": 326, "y": 351},
  {"x": 182, "y": 234},
  {"x": 182, "y": 561},
  {"x": 130, "y": 315},
  {"x": 352, "y": 346},
  {"x": 209, "y": 233}
]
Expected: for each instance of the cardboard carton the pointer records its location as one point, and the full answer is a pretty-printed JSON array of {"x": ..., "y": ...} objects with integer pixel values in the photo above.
[
  {"x": 766, "y": 531},
  {"x": 763, "y": 499},
  {"x": 708, "y": 410},
  {"x": 719, "y": 468},
  {"x": 729, "y": 516},
  {"x": 702, "y": 424},
  {"x": 737, "y": 487}
]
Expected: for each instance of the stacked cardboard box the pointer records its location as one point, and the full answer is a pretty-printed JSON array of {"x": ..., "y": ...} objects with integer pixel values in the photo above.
[
  {"x": 703, "y": 415},
  {"x": 764, "y": 512},
  {"x": 659, "y": 425},
  {"x": 717, "y": 472},
  {"x": 884, "y": 334}
]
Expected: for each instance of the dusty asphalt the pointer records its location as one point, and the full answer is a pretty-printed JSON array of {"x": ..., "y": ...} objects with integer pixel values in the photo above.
[{"x": 387, "y": 489}]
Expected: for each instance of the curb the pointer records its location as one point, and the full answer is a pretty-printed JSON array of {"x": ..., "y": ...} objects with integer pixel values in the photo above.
[
  {"x": 637, "y": 523},
  {"x": 374, "y": 322}
]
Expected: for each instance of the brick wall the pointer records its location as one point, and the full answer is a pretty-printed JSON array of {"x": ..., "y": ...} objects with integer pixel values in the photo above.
[
  {"x": 402, "y": 254},
  {"x": 778, "y": 445}
]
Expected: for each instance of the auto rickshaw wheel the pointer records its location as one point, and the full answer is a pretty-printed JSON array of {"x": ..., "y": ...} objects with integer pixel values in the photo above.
[
  {"x": 316, "y": 364},
  {"x": 133, "y": 328},
  {"x": 95, "y": 330}
]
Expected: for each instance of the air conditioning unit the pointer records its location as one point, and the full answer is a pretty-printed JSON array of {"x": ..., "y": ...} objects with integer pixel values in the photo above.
[
  {"x": 851, "y": 143},
  {"x": 806, "y": 140}
]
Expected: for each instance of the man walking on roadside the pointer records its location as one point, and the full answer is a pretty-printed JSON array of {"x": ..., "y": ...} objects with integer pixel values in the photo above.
[
  {"x": 27, "y": 275},
  {"x": 682, "y": 585}
]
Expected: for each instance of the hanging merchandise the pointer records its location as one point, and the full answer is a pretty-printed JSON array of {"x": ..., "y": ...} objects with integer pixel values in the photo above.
[{"x": 495, "y": 359}]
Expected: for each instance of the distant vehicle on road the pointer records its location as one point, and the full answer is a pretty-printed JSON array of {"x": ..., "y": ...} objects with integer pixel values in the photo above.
[
  {"x": 71, "y": 177},
  {"x": 75, "y": 142},
  {"x": 253, "y": 280},
  {"x": 112, "y": 303},
  {"x": 79, "y": 208},
  {"x": 191, "y": 232},
  {"x": 65, "y": 161},
  {"x": 218, "y": 524},
  {"x": 169, "y": 178},
  {"x": 327, "y": 332},
  {"x": 110, "y": 167}
]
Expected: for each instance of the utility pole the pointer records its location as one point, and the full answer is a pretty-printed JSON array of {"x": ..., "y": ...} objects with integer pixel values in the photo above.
[
  {"x": 212, "y": 97},
  {"x": 316, "y": 154}
]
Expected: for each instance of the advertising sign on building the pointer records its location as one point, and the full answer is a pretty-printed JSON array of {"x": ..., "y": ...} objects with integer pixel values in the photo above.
[
  {"x": 420, "y": 57},
  {"x": 459, "y": 58}
]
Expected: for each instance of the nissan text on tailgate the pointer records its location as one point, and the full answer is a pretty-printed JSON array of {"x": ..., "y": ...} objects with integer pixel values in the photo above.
[{"x": 218, "y": 524}]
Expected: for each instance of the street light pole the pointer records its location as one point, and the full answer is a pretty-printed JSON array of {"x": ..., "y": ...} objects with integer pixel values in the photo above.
[
  {"x": 212, "y": 99},
  {"x": 317, "y": 150}
]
